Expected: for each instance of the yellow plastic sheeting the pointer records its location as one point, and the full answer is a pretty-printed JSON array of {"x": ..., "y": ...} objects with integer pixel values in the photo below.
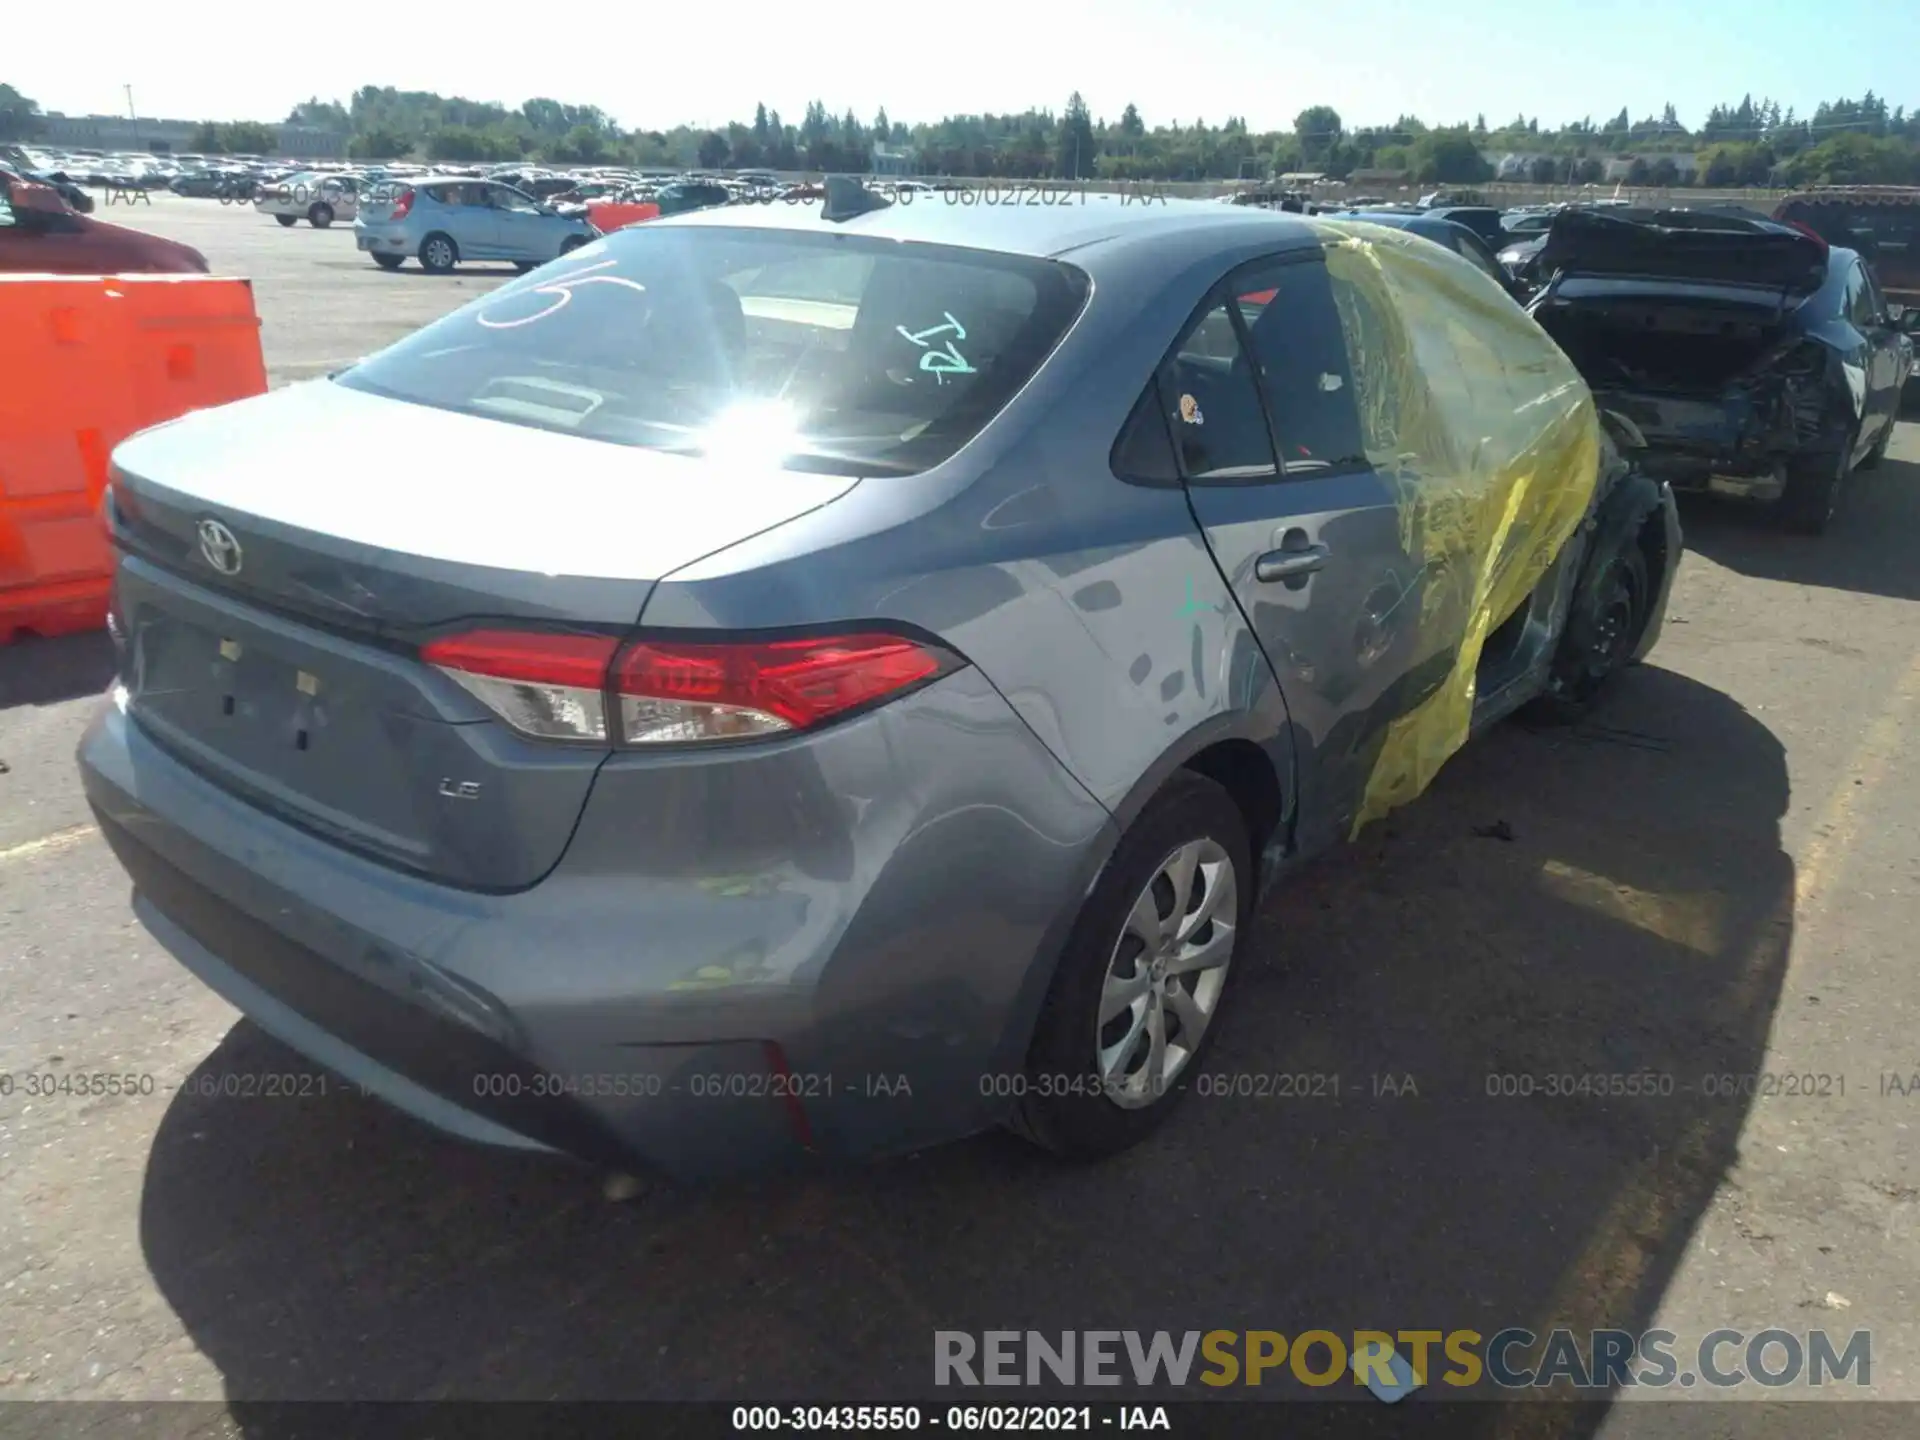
[{"x": 1490, "y": 437}]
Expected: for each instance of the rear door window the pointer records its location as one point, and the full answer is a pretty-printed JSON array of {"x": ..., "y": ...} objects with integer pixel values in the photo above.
[
  {"x": 505, "y": 197},
  {"x": 1300, "y": 352},
  {"x": 812, "y": 351}
]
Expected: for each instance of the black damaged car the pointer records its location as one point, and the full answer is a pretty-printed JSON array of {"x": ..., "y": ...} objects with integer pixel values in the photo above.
[{"x": 1754, "y": 358}]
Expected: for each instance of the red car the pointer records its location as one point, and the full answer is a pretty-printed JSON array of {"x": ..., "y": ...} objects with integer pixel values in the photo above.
[{"x": 41, "y": 234}]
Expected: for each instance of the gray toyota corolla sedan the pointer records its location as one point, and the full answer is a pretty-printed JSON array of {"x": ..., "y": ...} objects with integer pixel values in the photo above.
[{"x": 779, "y": 683}]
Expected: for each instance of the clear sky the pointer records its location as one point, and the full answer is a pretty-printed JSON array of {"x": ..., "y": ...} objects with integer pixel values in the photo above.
[{"x": 658, "y": 64}]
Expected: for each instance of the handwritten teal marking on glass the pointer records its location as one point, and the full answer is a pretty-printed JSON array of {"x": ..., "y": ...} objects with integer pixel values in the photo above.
[
  {"x": 1193, "y": 606},
  {"x": 946, "y": 360}
]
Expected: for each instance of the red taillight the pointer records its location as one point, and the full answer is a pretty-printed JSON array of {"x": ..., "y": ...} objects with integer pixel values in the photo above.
[
  {"x": 563, "y": 687},
  {"x": 674, "y": 692},
  {"x": 548, "y": 685},
  {"x": 402, "y": 203},
  {"x": 1812, "y": 234}
]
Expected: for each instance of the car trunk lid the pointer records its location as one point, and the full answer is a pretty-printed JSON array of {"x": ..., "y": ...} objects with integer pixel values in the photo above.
[
  {"x": 286, "y": 558},
  {"x": 1684, "y": 245}
]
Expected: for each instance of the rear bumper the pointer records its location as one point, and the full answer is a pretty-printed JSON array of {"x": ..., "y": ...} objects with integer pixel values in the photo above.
[
  {"x": 701, "y": 1007},
  {"x": 1739, "y": 444}
]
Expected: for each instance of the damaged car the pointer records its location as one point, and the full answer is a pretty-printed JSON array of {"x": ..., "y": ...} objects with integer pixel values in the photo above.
[
  {"x": 1753, "y": 358},
  {"x": 930, "y": 633}
]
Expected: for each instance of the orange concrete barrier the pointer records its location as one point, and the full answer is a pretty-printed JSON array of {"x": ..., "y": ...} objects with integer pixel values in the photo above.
[
  {"x": 85, "y": 361},
  {"x": 608, "y": 215}
]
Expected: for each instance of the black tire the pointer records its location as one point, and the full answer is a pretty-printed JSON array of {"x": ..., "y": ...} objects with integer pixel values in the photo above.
[
  {"x": 1064, "y": 1107},
  {"x": 288, "y": 220},
  {"x": 320, "y": 215},
  {"x": 1609, "y": 616},
  {"x": 438, "y": 253},
  {"x": 1815, "y": 488},
  {"x": 1879, "y": 451},
  {"x": 388, "y": 262},
  {"x": 572, "y": 243},
  {"x": 523, "y": 266}
]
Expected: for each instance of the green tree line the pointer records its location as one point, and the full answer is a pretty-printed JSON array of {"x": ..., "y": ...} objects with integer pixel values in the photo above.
[{"x": 1753, "y": 142}]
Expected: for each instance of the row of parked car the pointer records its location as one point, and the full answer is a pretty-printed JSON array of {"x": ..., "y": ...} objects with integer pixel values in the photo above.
[
  {"x": 1757, "y": 355},
  {"x": 1178, "y": 562}
]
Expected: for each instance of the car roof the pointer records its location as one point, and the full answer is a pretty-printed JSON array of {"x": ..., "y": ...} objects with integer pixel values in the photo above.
[
  {"x": 1180, "y": 227},
  {"x": 1414, "y": 220}
]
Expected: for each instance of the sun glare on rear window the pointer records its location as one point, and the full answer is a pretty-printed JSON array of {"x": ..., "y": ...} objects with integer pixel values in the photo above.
[{"x": 821, "y": 352}]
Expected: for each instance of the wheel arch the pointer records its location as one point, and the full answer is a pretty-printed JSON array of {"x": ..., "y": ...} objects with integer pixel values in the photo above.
[
  {"x": 1247, "y": 756},
  {"x": 1645, "y": 510}
]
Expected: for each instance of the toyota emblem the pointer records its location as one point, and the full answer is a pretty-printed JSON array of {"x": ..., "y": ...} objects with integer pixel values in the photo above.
[{"x": 221, "y": 549}]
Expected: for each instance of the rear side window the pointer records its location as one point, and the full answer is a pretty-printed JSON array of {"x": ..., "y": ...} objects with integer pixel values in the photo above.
[
  {"x": 1211, "y": 403},
  {"x": 810, "y": 351},
  {"x": 1144, "y": 451}
]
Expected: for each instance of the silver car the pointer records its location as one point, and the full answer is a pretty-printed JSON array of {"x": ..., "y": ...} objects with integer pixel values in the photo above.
[
  {"x": 317, "y": 198},
  {"x": 834, "y": 681},
  {"x": 445, "y": 222}
]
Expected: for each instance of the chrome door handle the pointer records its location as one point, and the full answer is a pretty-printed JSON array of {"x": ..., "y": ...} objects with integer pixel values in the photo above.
[{"x": 1286, "y": 564}]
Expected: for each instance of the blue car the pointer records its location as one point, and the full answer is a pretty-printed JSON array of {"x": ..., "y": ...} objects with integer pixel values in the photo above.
[{"x": 442, "y": 223}]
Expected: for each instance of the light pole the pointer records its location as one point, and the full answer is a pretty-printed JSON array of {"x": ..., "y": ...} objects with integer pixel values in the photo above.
[{"x": 132, "y": 114}]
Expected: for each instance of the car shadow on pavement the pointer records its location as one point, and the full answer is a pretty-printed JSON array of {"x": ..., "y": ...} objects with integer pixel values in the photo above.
[
  {"x": 45, "y": 671},
  {"x": 1869, "y": 548},
  {"x": 1564, "y": 907}
]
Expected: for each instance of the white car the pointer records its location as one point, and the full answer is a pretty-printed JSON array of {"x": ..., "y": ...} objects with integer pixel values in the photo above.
[{"x": 316, "y": 198}]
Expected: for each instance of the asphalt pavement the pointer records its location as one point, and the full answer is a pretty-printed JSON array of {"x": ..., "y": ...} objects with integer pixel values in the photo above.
[{"x": 1717, "y": 876}]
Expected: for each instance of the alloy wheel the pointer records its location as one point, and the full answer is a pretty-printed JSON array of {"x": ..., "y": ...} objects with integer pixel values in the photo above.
[{"x": 1166, "y": 973}]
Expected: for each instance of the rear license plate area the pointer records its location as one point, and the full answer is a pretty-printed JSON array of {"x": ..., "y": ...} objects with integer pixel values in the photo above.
[{"x": 233, "y": 690}]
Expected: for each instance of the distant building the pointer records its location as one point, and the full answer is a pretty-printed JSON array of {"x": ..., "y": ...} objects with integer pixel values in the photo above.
[
  {"x": 115, "y": 132},
  {"x": 1518, "y": 165},
  {"x": 312, "y": 142},
  {"x": 164, "y": 137},
  {"x": 888, "y": 161},
  {"x": 1295, "y": 179},
  {"x": 1375, "y": 179},
  {"x": 1688, "y": 166}
]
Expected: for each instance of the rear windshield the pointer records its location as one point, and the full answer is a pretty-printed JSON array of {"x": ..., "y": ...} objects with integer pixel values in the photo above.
[{"x": 840, "y": 353}]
